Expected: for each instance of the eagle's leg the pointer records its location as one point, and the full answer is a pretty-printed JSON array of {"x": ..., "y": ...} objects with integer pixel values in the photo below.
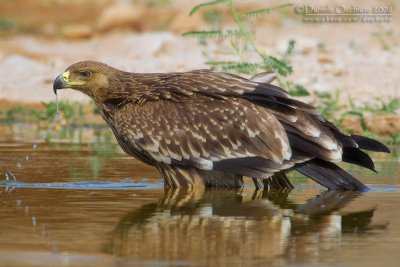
[
  {"x": 186, "y": 176},
  {"x": 256, "y": 183},
  {"x": 182, "y": 176},
  {"x": 277, "y": 181},
  {"x": 222, "y": 179}
]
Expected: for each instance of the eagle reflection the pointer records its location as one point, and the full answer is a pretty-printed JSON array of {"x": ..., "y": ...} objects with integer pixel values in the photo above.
[{"x": 221, "y": 224}]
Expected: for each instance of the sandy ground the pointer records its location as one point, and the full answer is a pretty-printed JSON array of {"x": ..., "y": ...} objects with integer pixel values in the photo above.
[
  {"x": 29, "y": 65},
  {"x": 362, "y": 60}
]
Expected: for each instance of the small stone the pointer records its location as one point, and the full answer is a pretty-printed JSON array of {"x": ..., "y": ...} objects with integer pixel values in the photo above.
[
  {"x": 325, "y": 59},
  {"x": 339, "y": 72}
]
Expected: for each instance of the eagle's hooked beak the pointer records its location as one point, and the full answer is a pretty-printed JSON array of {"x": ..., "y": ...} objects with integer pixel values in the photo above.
[{"x": 61, "y": 82}]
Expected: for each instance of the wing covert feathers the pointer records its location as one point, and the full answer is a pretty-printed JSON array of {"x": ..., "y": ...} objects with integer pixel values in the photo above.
[{"x": 203, "y": 131}]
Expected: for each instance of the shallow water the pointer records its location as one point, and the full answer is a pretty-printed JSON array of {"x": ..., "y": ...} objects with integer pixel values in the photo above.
[{"x": 79, "y": 201}]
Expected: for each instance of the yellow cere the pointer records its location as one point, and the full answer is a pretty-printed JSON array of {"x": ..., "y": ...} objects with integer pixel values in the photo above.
[{"x": 65, "y": 76}]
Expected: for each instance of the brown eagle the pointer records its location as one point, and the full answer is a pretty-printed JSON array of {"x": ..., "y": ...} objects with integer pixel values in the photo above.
[{"x": 208, "y": 128}]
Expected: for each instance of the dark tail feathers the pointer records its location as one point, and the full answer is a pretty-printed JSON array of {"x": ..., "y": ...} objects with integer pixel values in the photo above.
[
  {"x": 369, "y": 144},
  {"x": 330, "y": 175},
  {"x": 355, "y": 155}
]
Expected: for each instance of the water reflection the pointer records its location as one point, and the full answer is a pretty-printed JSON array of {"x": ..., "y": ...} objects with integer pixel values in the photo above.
[
  {"x": 223, "y": 225},
  {"x": 74, "y": 205}
]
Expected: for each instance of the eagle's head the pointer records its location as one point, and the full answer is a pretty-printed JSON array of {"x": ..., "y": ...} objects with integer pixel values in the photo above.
[{"x": 90, "y": 77}]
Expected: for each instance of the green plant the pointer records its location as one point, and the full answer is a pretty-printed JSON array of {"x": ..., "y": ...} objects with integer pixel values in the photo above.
[
  {"x": 328, "y": 104},
  {"x": 394, "y": 139},
  {"x": 292, "y": 88},
  {"x": 67, "y": 110},
  {"x": 7, "y": 24},
  {"x": 51, "y": 109},
  {"x": 249, "y": 58},
  {"x": 391, "y": 106},
  {"x": 18, "y": 113}
]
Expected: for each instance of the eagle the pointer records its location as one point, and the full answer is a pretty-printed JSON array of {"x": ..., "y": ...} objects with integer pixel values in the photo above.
[{"x": 205, "y": 128}]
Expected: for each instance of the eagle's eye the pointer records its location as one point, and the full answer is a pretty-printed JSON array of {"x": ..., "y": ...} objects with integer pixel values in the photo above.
[{"x": 84, "y": 74}]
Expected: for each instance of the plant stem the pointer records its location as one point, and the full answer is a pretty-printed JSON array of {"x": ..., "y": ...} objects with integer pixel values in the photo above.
[{"x": 243, "y": 29}]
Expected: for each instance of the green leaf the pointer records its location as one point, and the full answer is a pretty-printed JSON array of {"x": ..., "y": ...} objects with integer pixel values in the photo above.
[
  {"x": 298, "y": 90},
  {"x": 354, "y": 113},
  {"x": 289, "y": 50},
  {"x": 204, "y": 34},
  {"x": 202, "y": 5},
  {"x": 212, "y": 34},
  {"x": 265, "y": 11},
  {"x": 278, "y": 66},
  {"x": 234, "y": 67},
  {"x": 323, "y": 94}
]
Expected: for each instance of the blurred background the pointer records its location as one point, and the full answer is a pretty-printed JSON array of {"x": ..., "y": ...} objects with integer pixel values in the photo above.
[{"x": 348, "y": 69}]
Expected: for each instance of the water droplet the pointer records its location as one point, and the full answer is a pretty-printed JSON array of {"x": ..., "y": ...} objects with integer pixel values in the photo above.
[
  {"x": 26, "y": 209},
  {"x": 57, "y": 105},
  {"x": 34, "y": 146},
  {"x": 12, "y": 176},
  {"x": 33, "y": 220},
  {"x": 26, "y": 157},
  {"x": 18, "y": 202},
  {"x": 44, "y": 136},
  {"x": 18, "y": 165}
]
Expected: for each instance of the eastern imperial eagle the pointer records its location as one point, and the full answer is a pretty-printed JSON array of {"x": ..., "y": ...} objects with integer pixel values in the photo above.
[{"x": 207, "y": 128}]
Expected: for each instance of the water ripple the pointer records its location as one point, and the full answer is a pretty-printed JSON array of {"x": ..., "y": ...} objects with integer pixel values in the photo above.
[{"x": 84, "y": 185}]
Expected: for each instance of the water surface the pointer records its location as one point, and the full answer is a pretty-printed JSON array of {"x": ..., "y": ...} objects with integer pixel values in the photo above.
[{"x": 79, "y": 201}]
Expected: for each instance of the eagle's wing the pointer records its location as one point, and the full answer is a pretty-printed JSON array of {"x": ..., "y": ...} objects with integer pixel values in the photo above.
[
  {"x": 229, "y": 134},
  {"x": 306, "y": 128}
]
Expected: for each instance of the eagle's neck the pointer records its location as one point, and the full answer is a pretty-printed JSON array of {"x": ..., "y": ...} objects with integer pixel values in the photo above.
[{"x": 127, "y": 88}]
